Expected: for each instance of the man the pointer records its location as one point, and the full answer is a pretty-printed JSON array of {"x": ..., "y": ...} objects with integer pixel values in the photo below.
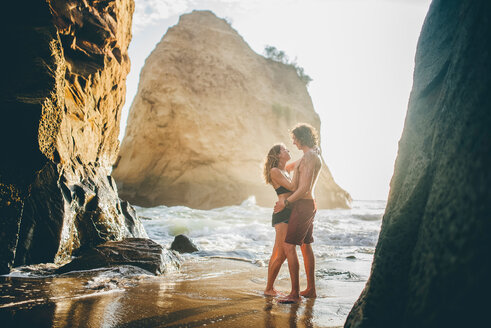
[{"x": 302, "y": 202}]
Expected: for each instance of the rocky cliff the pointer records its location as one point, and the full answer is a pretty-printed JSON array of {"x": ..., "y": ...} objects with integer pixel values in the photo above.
[
  {"x": 206, "y": 113},
  {"x": 432, "y": 261},
  {"x": 63, "y": 87}
]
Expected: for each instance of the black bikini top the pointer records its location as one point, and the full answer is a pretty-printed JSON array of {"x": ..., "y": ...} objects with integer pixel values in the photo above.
[{"x": 281, "y": 190}]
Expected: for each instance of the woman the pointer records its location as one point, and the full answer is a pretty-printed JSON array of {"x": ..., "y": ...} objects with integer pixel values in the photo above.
[{"x": 276, "y": 174}]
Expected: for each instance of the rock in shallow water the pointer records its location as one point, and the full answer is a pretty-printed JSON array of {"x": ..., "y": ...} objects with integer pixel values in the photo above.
[
  {"x": 183, "y": 244},
  {"x": 139, "y": 252}
]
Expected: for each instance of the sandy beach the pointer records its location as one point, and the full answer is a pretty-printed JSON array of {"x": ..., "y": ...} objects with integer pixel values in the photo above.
[{"x": 203, "y": 293}]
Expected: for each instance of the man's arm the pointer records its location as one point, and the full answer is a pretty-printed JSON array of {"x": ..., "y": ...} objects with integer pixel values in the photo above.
[{"x": 305, "y": 178}]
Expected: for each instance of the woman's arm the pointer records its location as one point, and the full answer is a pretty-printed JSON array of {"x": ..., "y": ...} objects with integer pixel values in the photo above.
[
  {"x": 281, "y": 180},
  {"x": 291, "y": 166}
]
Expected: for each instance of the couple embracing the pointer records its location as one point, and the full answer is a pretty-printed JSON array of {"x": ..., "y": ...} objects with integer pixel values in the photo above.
[{"x": 294, "y": 212}]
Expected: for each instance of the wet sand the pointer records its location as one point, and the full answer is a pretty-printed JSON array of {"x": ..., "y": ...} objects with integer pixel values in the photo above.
[{"x": 204, "y": 293}]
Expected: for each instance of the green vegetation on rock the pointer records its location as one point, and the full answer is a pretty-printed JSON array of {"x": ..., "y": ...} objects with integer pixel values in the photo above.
[{"x": 271, "y": 52}]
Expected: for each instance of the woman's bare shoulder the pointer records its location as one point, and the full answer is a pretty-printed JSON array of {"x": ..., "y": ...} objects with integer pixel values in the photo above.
[{"x": 275, "y": 172}]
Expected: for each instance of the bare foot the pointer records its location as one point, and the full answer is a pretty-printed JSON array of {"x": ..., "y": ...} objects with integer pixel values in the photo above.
[
  {"x": 308, "y": 293},
  {"x": 272, "y": 292},
  {"x": 289, "y": 299}
]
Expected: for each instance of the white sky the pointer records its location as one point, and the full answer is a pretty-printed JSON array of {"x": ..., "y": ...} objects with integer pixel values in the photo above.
[{"x": 360, "y": 54}]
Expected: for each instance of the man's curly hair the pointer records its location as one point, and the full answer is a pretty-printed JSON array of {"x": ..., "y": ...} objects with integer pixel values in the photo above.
[{"x": 306, "y": 134}]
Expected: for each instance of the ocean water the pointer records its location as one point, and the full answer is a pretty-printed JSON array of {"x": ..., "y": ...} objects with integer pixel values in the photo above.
[
  {"x": 219, "y": 286},
  {"x": 344, "y": 239}
]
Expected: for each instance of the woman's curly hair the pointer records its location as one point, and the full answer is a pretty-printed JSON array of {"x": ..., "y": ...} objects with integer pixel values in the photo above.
[{"x": 271, "y": 161}]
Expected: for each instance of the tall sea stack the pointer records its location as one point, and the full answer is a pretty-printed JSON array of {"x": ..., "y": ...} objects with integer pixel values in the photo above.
[
  {"x": 432, "y": 263},
  {"x": 208, "y": 109},
  {"x": 63, "y": 86}
]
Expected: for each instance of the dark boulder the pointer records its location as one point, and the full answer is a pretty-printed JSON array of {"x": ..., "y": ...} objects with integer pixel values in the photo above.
[
  {"x": 139, "y": 252},
  {"x": 183, "y": 244},
  {"x": 432, "y": 263}
]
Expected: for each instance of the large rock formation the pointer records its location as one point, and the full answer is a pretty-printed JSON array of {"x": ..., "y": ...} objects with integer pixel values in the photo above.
[
  {"x": 63, "y": 86},
  {"x": 432, "y": 262},
  {"x": 206, "y": 113}
]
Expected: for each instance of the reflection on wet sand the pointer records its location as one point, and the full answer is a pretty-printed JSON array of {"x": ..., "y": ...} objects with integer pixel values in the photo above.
[
  {"x": 274, "y": 320},
  {"x": 181, "y": 299}
]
